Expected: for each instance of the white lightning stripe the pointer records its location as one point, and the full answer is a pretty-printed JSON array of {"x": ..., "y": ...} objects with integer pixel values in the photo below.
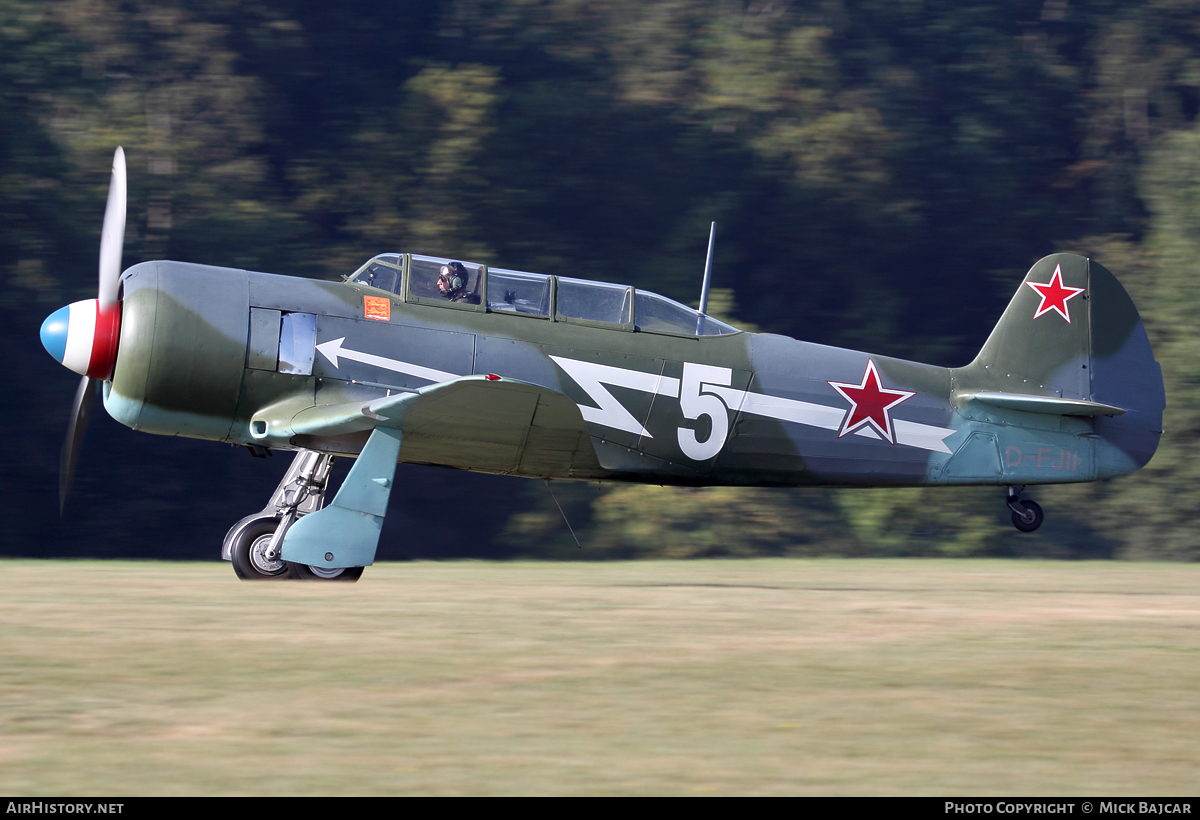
[
  {"x": 775, "y": 407},
  {"x": 924, "y": 436},
  {"x": 333, "y": 351},
  {"x": 611, "y": 413},
  {"x": 668, "y": 387}
]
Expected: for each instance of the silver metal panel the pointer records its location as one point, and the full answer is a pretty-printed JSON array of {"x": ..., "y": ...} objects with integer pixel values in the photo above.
[
  {"x": 263, "y": 351},
  {"x": 297, "y": 343}
]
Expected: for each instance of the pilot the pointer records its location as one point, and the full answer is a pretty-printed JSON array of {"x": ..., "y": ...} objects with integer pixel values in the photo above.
[{"x": 453, "y": 281}]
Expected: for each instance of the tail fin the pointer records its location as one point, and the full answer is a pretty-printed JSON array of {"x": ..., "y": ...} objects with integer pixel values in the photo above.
[{"x": 1071, "y": 332}]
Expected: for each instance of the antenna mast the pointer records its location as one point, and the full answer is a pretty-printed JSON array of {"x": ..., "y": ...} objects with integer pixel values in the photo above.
[{"x": 712, "y": 235}]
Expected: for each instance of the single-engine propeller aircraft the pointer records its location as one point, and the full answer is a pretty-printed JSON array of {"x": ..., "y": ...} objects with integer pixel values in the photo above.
[{"x": 460, "y": 364}]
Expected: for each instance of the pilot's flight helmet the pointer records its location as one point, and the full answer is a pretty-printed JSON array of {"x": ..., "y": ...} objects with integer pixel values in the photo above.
[{"x": 453, "y": 278}]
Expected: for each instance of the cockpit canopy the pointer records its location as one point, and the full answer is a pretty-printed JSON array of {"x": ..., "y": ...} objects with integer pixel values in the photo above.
[
  {"x": 469, "y": 285},
  {"x": 382, "y": 272}
]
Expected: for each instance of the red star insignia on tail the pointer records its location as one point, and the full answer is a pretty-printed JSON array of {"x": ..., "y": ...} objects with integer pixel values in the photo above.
[
  {"x": 869, "y": 403},
  {"x": 1055, "y": 295}
]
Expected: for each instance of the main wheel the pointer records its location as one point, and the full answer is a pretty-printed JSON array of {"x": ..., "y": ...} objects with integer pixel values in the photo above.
[
  {"x": 1028, "y": 526},
  {"x": 304, "y": 572},
  {"x": 249, "y": 553}
]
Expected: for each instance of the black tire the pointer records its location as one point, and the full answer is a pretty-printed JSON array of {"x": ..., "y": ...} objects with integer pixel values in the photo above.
[
  {"x": 1028, "y": 526},
  {"x": 303, "y": 572},
  {"x": 248, "y": 553}
]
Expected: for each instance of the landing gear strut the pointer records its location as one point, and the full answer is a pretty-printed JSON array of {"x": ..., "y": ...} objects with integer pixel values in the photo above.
[
  {"x": 253, "y": 544},
  {"x": 1026, "y": 515}
]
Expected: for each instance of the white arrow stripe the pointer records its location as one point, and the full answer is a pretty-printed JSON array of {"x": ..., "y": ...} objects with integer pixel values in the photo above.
[{"x": 333, "y": 350}]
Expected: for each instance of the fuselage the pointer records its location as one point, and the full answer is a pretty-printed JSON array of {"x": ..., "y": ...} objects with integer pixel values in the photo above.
[{"x": 237, "y": 356}]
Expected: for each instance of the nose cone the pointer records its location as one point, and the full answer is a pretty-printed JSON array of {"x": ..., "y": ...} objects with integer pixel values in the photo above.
[
  {"x": 54, "y": 332},
  {"x": 84, "y": 337}
]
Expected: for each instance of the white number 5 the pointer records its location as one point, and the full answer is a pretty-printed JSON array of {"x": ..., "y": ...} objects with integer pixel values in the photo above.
[{"x": 695, "y": 404}]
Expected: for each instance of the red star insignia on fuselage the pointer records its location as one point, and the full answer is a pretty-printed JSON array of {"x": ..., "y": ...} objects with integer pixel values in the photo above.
[
  {"x": 870, "y": 402},
  {"x": 1055, "y": 295}
]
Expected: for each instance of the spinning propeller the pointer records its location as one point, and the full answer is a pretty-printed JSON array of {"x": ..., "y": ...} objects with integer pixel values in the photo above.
[{"x": 83, "y": 335}]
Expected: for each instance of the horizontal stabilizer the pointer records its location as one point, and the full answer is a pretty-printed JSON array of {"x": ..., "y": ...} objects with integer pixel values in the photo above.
[{"x": 1050, "y": 405}]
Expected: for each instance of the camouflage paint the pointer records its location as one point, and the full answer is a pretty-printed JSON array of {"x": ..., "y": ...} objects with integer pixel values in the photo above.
[{"x": 185, "y": 368}]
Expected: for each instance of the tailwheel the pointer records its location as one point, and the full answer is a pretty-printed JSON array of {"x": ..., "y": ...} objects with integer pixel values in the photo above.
[
  {"x": 1026, "y": 514},
  {"x": 304, "y": 572},
  {"x": 1032, "y": 518},
  {"x": 251, "y": 553}
]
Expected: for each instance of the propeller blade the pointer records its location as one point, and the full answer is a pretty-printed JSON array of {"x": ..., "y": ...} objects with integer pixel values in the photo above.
[
  {"x": 112, "y": 236},
  {"x": 84, "y": 396}
]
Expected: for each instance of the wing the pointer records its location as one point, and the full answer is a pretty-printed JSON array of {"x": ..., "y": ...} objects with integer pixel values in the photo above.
[{"x": 481, "y": 423}]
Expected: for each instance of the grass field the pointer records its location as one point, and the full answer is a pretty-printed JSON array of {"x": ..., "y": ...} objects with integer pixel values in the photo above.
[{"x": 705, "y": 677}]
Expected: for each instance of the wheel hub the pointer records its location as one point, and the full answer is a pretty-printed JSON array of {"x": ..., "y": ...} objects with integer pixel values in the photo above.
[
  {"x": 261, "y": 557},
  {"x": 321, "y": 572}
]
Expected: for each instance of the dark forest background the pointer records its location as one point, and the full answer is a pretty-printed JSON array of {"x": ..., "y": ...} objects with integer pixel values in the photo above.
[{"x": 882, "y": 172}]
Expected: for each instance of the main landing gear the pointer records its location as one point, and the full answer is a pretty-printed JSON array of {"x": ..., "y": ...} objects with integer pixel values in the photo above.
[
  {"x": 1026, "y": 514},
  {"x": 253, "y": 544}
]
